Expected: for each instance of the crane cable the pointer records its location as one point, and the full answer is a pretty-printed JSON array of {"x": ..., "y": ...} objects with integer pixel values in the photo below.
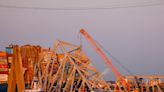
[
  {"x": 79, "y": 36},
  {"x": 108, "y": 53},
  {"x": 114, "y": 58}
]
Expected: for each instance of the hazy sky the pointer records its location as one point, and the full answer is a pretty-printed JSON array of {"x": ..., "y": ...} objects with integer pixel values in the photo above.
[{"x": 134, "y": 35}]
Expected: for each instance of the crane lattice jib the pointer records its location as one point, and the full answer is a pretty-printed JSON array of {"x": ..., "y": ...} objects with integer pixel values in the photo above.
[{"x": 102, "y": 54}]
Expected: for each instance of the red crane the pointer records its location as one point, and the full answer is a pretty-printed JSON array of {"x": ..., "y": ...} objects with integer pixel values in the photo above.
[{"x": 105, "y": 58}]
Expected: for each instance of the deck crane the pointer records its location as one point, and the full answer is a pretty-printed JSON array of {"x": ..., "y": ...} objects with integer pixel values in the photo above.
[{"x": 106, "y": 60}]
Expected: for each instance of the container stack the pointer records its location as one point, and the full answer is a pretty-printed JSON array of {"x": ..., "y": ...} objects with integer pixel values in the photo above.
[{"x": 3, "y": 68}]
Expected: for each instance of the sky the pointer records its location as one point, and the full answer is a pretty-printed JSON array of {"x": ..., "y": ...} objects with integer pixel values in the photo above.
[{"x": 134, "y": 35}]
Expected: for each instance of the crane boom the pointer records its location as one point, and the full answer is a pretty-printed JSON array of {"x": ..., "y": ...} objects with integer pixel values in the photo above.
[
  {"x": 101, "y": 53},
  {"x": 106, "y": 60}
]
